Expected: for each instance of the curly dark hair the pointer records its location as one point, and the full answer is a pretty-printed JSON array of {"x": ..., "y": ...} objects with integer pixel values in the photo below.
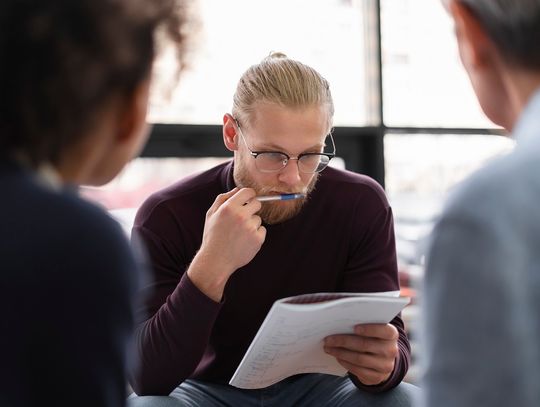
[{"x": 61, "y": 61}]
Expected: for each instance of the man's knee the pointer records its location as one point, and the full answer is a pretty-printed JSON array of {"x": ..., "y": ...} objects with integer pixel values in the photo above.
[{"x": 404, "y": 395}]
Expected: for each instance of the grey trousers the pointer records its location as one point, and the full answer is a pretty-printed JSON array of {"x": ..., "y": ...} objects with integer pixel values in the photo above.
[{"x": 310, "y": 390}]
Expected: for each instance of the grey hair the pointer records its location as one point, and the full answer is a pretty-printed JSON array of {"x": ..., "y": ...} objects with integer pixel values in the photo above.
[
  {"x": 514, "y": 26},
  {"x": 283, "y": 81}
]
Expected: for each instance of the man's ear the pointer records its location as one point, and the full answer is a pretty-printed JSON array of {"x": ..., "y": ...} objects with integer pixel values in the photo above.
[
  {"x": 230, "y": 132},
  {"x": 475, "y": 46}
]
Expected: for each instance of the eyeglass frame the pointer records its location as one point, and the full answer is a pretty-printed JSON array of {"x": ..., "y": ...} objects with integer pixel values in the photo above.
[{"x": 255, "y": 154}]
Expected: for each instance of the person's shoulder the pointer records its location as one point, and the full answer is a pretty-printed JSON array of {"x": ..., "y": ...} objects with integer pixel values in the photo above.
[
  {"x": 92, "y": 217},
  {"x": 194, "y": 190},
  {"x": 44, "y": 206},
  {"x": 351, "y": 186},
  {"x": 65, "y": 234},
  {"x": 95, "y": 250},
  {"x": 89, "y": 229}
]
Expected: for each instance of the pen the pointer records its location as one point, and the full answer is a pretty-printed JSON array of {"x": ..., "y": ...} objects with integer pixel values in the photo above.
[{"x": 282, "y": 197}]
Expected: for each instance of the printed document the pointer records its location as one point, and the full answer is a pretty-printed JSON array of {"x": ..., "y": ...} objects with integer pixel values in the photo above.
[{"x": 290, "y": 340}]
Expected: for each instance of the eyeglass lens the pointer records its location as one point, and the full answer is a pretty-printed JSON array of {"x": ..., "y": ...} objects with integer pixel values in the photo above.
[{"x": 276, "y": 161}]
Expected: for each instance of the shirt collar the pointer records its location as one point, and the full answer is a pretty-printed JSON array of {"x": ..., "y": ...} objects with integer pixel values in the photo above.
[
  {"x": 46, "y": 174},
  {"x": 527, "y": 129}
]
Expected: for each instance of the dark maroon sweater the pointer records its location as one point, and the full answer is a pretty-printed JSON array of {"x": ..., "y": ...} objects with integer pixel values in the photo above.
[{"x": 342, "y": 240}]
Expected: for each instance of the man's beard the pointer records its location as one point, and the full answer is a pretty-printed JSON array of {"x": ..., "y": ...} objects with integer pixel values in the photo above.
[{"x": 273, "y": 212}]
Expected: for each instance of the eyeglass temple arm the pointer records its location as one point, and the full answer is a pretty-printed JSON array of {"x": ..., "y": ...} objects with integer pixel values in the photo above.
[{"x": 333, "y": 142}]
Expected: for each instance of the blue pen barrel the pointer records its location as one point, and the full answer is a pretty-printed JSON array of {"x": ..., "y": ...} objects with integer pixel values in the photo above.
[{"x": 282, "y": 197}]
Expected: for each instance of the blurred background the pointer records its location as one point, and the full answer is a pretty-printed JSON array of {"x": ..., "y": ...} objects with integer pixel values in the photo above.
[{"x": 405, "y": 112}]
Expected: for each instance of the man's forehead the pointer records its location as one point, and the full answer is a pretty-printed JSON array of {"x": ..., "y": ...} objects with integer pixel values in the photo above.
[
  {"x": 277, "y": 146},
  {"x": 266, "y": 115}
]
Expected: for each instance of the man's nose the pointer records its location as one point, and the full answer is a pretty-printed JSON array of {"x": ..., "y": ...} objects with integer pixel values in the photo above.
[{"x": 290, "y": 174}]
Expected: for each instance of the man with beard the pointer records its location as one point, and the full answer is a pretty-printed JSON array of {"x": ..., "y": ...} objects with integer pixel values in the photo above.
[{"x": 217, "y": 271}]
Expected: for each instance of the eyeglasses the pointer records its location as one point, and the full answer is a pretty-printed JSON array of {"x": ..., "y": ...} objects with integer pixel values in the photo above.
[{"x": 275, "y": 161}]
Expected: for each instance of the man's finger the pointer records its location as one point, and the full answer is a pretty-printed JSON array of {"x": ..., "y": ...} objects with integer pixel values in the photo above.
[
  {"x": 243, "y": 196},
  {"x": 353, "y": 342},
  {"x": 382, "y": 331},
  {"x": 359, "y": 359},
  {"x": 253, "y": 205},
  {"x": 220, "y": 199}
]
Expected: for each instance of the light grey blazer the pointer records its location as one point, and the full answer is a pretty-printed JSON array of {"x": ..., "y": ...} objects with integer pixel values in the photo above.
[{"x": 482, "y": 287}]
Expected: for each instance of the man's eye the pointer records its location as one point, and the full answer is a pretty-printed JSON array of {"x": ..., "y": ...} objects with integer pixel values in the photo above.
[{"x": 275, "y": 156}]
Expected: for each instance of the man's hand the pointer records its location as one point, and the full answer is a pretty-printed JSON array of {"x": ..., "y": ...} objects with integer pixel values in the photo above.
[
  {"x": 232, "y": 236},
  {"x": 369, "y": 354}
]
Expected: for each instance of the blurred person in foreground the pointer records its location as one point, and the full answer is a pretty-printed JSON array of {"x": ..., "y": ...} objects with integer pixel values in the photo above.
[
  {"x": 482, "y": 286},
  {"x": 220, "y": 257},
  {"x": 74, "y": 81}
]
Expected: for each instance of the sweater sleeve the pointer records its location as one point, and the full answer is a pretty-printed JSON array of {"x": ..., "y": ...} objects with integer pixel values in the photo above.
[
  {"x": 176, "y": 318},
  {"x": 372, "y": 267}
]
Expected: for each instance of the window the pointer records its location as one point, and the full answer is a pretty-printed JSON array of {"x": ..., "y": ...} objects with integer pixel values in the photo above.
[
  {"x": 425, "y": 88},
  {"x": 424, "y": 84},
  {"x": 421, "y": 170},
  {"x": 239, "y": 33}
]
